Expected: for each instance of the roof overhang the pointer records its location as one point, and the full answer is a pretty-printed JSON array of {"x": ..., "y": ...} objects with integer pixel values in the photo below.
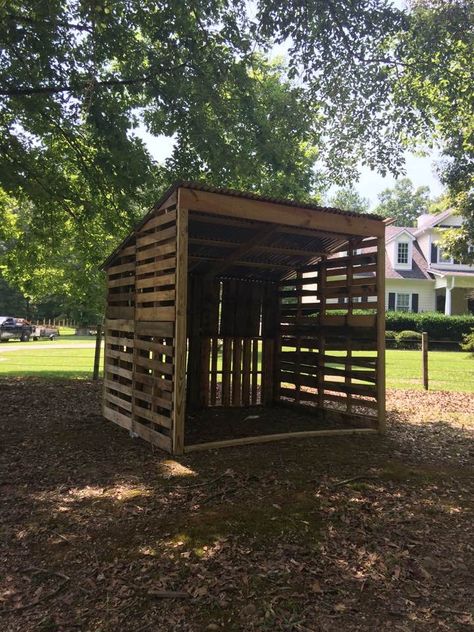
[{"x": 453, "y": 278}]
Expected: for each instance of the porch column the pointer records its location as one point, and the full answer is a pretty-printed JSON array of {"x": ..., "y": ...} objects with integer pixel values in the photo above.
[{"x": 447, "y": 304}]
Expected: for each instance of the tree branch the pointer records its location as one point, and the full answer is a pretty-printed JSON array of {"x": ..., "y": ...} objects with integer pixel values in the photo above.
[
  {"x": 106, "y": 83},
  {"x": 18, "y": 92},
  {"x": 27, "y": 20}
]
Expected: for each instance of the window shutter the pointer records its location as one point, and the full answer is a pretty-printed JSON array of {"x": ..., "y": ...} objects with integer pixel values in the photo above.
[
  {"x": 414, "y": 303},
  {"x": 391, "y": 301},
  {"x": 434, "y": 253}
]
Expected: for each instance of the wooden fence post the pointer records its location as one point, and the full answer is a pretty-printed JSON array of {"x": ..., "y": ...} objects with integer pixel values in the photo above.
[
  {"x": 98, "y": 340},
  {"x": 424, "y": 353}
]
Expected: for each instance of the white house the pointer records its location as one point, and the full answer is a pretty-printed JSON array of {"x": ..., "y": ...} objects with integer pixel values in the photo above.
[{"x": 419, "y": 278}]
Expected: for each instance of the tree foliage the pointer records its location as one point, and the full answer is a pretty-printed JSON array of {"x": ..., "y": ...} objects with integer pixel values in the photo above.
[
  {"x": 403, "y": 203},
  {"x": 77, "y": 78},
  {"x": 364, "y": 79},
  {"x": 349, "y": 199},
  {"x": 438, "y": 54}
]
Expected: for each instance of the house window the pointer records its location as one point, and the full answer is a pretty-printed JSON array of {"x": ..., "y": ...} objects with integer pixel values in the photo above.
[
  {"x": 402, "y": 253},
  {"x": 442, "y": 258},
  {"x": 402, "y": 303}
]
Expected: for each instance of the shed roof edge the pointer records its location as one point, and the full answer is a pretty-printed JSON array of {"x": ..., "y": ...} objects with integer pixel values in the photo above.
[{"x": 201, "y": 186}]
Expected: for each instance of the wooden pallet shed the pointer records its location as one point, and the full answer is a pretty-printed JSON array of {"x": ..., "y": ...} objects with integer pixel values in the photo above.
[{"x": 222, "y": 299}]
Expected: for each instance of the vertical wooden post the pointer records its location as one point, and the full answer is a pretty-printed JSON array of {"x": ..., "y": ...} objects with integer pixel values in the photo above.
[
  {"x": 424, "y": 353},
  {"x": 179, "y": 382},
  {"x": 237, "y": 372},
  {"x": 277, "y": 347},
  {"x": 214, "y": 358},
  {"x": 381, "y": 333},
  {"x": 350, "y": 298},
  {"x": 226, "y": 370},
  {"x": 195, "y": 349},
  {"x": 255, "y": 343},
  {"x": 246, "y": 366},
  {"x": 321, "y": 335},
  {"x": 98, "y": 340},
  {"x": 299, "y": 299}
]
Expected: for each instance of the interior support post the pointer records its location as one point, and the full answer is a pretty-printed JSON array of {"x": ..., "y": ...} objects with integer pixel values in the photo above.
[
  {"x": 380, "y": 371},
  {"x": 322, "y": 337},
  {"x": 194, "y": 309},
  {"x": 179, "y": 382}
]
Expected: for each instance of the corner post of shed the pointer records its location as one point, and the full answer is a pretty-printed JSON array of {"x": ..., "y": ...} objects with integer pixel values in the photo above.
[
  {"x": 381, "y": 333},
  {"x": 179, "y": 378}
]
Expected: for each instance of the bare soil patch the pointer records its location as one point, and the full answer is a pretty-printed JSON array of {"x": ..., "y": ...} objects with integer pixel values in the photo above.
[{"x": 99, "y": 532}]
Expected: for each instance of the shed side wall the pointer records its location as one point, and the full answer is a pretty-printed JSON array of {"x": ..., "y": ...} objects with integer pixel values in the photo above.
[
  {"x": 119, "y": 339},
  {"x": 140, "y": 330}
]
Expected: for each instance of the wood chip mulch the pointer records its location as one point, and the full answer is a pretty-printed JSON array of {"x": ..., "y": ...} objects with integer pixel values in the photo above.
[{"x": 101, "y": 533}]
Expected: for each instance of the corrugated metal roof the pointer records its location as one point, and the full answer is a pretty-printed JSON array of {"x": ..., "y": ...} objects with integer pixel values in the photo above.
[{"x": 202, "y": 186}]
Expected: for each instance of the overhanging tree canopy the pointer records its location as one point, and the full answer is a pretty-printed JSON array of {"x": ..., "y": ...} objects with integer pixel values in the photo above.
[{"x": 76, "y": 78}]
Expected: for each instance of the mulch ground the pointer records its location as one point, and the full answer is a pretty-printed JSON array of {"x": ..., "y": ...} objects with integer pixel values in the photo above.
[{"x": 99, "y": 532}]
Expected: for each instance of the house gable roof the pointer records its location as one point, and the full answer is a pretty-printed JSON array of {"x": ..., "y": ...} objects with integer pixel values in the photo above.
[{"x": 419, "y": 269}]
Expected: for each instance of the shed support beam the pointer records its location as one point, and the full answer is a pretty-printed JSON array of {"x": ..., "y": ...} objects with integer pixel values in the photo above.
[
  {"x": 245, "y": 264},
  {"x": 260, "y": 236},
  {"x": 278, "y": 250}
]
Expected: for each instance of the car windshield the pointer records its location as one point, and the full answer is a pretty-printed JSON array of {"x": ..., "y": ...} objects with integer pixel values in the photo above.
[{"x": 3, "y": 319}]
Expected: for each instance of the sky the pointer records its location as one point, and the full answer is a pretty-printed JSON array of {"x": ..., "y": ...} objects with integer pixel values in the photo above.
[{"x": 420, "y": 170}]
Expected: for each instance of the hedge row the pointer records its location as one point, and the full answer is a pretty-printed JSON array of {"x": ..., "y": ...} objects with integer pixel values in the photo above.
[{"x": 438, "y": 326}]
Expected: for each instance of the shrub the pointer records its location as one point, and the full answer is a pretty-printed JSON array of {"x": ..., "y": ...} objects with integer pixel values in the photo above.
[
  {"x": 468, "y": 342},
  {"x": 408, "y": 339},
  {"x": 390, "y": 339},
  {"x": 438, "y": 326}
]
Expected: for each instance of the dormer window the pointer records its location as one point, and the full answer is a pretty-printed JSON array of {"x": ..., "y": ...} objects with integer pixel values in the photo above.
[
  {"x": 400, "y": 250},
  {"x": 402, "y": 253}
]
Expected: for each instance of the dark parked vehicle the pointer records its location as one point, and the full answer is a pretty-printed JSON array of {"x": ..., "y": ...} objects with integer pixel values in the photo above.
[{"x": 15, "y": 328}]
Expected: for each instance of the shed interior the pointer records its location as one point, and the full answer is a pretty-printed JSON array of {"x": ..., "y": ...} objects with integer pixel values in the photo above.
[{"x": 226, "y": 301}]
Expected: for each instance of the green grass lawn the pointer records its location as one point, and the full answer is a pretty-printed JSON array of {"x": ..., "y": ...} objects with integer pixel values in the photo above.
[
  {"x": 447, "y": 370},
  {"x": 47, "y": 361},
  {"x": 451, "y": 371}
]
